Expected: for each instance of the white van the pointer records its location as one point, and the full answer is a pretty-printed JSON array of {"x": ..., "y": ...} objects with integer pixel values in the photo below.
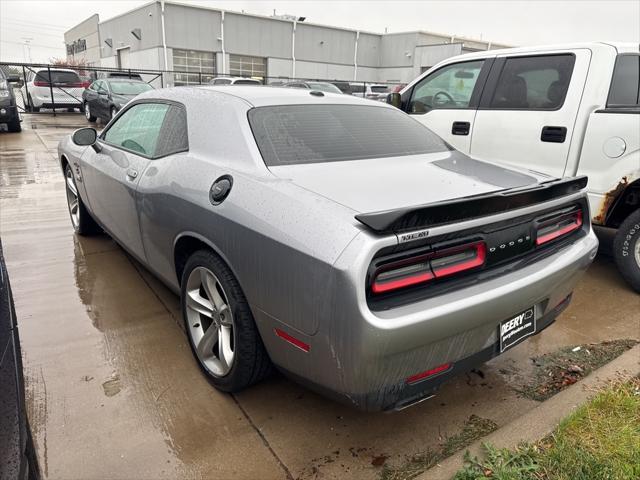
[{"x": 562, "y": 110}]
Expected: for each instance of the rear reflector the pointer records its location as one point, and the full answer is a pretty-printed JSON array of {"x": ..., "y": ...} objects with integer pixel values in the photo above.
[
  {"x": 429, "y": 373},
  {"x": 41, "y": 84},
  {"x": 559, "y": 227},
  {"x": 292, "y": 340}
]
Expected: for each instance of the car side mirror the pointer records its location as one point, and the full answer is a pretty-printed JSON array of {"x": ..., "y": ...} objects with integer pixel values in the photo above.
[
  {"x": 85, "y": 137},
  {"x": 394, "y": 99}
]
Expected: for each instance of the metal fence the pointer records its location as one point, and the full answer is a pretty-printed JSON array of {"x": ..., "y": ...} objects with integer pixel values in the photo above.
[{"x": 45, "y": 88}]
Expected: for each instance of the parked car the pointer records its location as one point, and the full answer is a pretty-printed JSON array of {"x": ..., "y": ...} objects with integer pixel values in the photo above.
[
  {"x": 370, "y": 91},
  {"x": 344, "y": 87},
  {"x": 104, "y": 98},
  {"x": 65, "y": 84},
  {"x": 562, "y": 110},
  {"x": 17, "y": 453},
  {"x": 336, "y": 238},
  {"x": 319, "y": 86},
  {"x": 8, "y": 109},
  {"x": 234, "y": 81}
]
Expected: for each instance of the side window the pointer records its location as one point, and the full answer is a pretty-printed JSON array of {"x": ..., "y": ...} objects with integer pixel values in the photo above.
[
  {"x": 100, "y": 86},
  {"x": 625, "y": 85},
  {"x": 174, "y": 135},
  {"x": 138, "y": 128},
  {"x": 535, "y": 83},
  {"x": 448, "y": 87}
]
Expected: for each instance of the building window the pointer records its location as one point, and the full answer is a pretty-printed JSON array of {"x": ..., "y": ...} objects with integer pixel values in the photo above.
[
  {"x": 197, "y": 67},
  {"x": 243, "y": 66}
]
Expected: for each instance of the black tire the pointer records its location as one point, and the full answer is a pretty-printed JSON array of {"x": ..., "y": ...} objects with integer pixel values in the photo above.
[
  {"x": 87, "y": 113},
  {"x": 14, "y": 125},
  {"x": 626, "y": 250},
  {"x": 251, "y": 362},
  {"x": 85, "y": 225}
]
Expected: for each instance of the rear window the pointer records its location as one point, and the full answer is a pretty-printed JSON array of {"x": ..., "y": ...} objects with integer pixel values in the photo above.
[
  {"x": 247, "y": 82},
  {"x": 379, "y": 88},
  {"x": 299, "y": 134},
  {"x": 625, "y": 85},
  {"x": 57, "y": 76}
]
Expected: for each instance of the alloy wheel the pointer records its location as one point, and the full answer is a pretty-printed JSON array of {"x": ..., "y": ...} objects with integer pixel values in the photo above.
[
  {"x": 210, "y": 321},
  {"x": 72, "y": 198},
  {"x": 637, "y": 251}
]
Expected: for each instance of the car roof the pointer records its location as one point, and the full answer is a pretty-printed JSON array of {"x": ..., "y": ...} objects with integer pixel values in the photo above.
[
  {"x": 122, "y": 79},
  {"x": 55, "y": 69},
  {"x": 262, "y": 95}
]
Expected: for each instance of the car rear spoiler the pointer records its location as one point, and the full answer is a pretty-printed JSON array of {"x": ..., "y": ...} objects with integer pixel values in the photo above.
[{"x": 467, "y": 208}]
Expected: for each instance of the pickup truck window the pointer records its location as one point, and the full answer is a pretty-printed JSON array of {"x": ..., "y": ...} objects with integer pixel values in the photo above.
[
  {"x": 533, "y": 83},
  {"x": 625, "y": 85},
  {"x": 448, "y": 87}
]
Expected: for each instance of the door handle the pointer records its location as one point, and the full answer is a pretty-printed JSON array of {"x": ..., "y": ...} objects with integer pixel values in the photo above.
[
  {"x": 460, "y": 128},
  {"x": 131, "y": 173},
  {"x": 553, "y": 134}
]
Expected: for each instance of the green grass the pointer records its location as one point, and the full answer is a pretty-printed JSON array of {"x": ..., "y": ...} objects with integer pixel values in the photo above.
[{"x": 599, "y": 441}]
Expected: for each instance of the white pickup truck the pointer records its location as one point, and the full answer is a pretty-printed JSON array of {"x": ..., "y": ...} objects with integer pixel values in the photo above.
[{"x": 563, "y": 110}]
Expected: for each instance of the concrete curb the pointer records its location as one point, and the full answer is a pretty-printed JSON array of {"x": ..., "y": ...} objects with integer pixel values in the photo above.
[{"x": 542, "y": 420}]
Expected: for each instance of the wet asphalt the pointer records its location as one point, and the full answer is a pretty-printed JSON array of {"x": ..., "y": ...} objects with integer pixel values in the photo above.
[{"x": 113, "y": 391}]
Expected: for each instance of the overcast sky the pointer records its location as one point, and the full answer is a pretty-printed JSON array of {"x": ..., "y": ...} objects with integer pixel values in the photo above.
[{"x": 42, "y": 23}]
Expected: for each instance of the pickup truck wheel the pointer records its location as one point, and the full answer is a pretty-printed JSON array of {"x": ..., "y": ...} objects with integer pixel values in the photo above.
[
  {"x": 626, "y": 250},
  {"x": 219, "y": 324},
  {"x": 81, "y": 220}
]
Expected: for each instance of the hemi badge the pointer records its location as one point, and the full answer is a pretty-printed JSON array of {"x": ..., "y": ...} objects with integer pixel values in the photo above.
[{"x": 410, "y": 236}]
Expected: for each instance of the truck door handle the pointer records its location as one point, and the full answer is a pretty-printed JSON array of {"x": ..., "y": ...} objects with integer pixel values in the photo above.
[
  {"x": 460, "y": 128},
  {"x": 553, "y": 134}
]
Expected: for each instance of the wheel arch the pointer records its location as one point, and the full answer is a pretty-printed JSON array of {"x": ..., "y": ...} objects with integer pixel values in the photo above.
[
  {"x": 186, "y": 244},
  {"x": 625, "y": 199}
]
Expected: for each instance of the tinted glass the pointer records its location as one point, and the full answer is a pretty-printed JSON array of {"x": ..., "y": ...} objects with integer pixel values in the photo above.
[
  {"x": 357, "y": 88},
  {"x": 129, "y": 88},
  {"x": 138, "y": 129},
  {"x": 537, "y": 83},
  {"x": 449, "y": 87},
  {"x": 57, "y": 76},
  {"x": 173, "y": 137},
  {"x": 292, "y": 134},
  {"x": 222, "y": 81},
  {"x": 247, "y": 81},
  {"x": 379, "y": 88},
  {"x": 625, "y": 86}
]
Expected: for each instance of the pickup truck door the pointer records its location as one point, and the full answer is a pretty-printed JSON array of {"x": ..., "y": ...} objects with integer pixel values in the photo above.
[
  {"x": 112, "y": 174},
  {"x": 528, "y": 109},
  {"x": 446, "y": 99}
]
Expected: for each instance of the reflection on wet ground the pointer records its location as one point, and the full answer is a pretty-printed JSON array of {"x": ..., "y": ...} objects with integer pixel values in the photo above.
[{"x": 113, "y": 391}]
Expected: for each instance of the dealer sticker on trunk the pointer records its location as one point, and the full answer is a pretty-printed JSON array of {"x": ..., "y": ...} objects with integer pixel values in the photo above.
[{"x": 517, "y": 328}]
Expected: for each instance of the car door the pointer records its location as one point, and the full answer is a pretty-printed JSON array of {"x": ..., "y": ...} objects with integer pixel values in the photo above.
[
  {"x": 528, "y": 109},
  {"x": 91, "y": 96},
  {"x": 446, "y": 99},
  {"x": 111, "y": 175}
]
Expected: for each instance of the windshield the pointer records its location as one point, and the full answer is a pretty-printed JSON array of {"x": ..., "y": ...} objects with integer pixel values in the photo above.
[
  {"x": 324, "y": 87},
  {"x": 129, "y": 88},
  {"x": 294, "y": 134}
]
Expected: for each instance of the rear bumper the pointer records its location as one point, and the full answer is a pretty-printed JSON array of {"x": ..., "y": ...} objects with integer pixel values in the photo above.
[{"x": 364, "y": 358}]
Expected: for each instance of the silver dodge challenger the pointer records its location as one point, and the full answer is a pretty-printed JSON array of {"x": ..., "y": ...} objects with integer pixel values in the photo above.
[{"x": 332, "y": 237}]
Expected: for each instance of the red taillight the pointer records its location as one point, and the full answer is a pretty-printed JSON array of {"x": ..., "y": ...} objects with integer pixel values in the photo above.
[
  {"x": 426, "y": 267},
  {"x": 85, "y": 84},
  {"x": 41, "y": 84},
  {"x": 459, "y": 259},
  {"x": 559, "y": 227},
  {"x": 402, "y": 276},
  {"x": 429, "y": 373}
]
